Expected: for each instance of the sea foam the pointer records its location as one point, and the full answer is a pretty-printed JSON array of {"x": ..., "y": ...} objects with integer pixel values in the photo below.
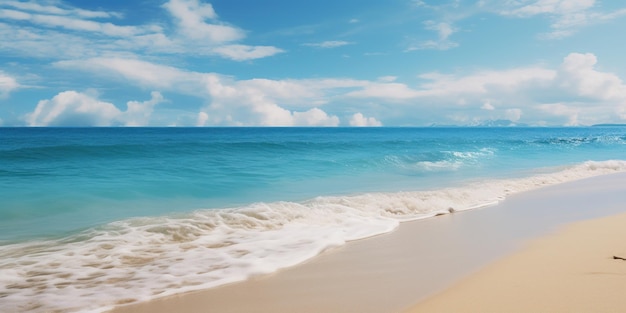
[{"x": 144, "y": 258}]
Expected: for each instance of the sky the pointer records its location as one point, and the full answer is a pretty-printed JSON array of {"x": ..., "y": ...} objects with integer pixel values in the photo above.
[{"x": 312, "y": 62}]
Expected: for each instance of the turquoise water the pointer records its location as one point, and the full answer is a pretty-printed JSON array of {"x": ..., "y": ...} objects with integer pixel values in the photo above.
[{"x": 135, "y": 204}]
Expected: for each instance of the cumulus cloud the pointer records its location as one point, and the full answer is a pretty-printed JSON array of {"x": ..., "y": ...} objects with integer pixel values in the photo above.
[
  {"x": 359, "y": 120},
  {"x": 577, "y": 74},
  {"x": 203, "y": 118},
  {"x": 568, "y": 112},
  {"x": 7, "y": 84},
  {"x": 584, "y": 94},
  {"x": 261, "y": 102},
  {"x": 138, "y": 113},
  {"x": 314, "y": 117},
  {"x": 72, "y": 108},
  {"x": 487, "y": 106}
]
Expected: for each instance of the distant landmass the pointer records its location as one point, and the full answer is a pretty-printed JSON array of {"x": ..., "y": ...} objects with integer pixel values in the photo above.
[
  {"x": 489, "y": 123},
  {"x": 509, "y": 123}
]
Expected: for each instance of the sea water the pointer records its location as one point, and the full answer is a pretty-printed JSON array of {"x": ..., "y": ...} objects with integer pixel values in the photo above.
[{"x": 96, "y": 217}]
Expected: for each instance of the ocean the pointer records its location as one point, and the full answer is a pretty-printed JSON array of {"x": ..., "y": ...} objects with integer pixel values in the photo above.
[{"x": 91, "y": 218}]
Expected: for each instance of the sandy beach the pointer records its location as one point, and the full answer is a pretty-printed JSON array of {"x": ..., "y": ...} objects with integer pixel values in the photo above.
[
  {"x": 576, "y": 269},
  {"x": 561, "y": 264}
]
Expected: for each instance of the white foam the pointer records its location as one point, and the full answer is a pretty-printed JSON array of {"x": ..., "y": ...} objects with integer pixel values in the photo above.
[
  {"x": 144, "y": 258},
  {"x": 456, "y": 159}
]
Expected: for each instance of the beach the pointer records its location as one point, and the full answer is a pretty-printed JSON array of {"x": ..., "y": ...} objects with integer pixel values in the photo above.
[
  {"x": 419, "y": 262},
  {"x": 576, "y": 269},
  {"x": 367, "y": 220}
]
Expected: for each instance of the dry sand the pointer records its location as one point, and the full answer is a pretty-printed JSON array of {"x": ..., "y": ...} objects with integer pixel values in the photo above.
[
  {"x": 573, "y": 270},
  {"x": 392, "y": 272}
]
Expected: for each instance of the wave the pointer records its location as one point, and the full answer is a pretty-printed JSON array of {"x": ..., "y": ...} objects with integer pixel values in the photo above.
[
  {"x": 454, "y": 160},
  {"x": 582, "y": 140},
  {"x": 144, "y": 258}
]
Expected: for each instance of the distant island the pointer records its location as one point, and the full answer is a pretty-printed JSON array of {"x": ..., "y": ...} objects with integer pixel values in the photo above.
[{"x": 608, "y": 125}]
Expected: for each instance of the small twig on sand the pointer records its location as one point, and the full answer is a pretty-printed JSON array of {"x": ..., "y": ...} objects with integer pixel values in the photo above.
[{"x": 618, "y": 258}]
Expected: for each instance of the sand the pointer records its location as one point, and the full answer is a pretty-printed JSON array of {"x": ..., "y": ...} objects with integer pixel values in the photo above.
[
  {"x": 393, "y": 272},
  {"x": 573, "y": 270}
]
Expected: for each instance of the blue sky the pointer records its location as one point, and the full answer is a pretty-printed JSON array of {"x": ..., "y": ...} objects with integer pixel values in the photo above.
[{"x": 311, "y": 63}]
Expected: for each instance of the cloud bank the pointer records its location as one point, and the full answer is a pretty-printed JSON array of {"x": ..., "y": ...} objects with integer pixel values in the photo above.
[
  {"x": 71, "y": 108},
  {"x": 575, "y": 93}
]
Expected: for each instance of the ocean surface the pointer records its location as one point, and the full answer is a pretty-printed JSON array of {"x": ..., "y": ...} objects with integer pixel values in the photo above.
[{"x": 96, "y": 217}]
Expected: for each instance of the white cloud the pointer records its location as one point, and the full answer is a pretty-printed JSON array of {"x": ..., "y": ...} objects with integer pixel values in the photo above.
[
  {"x": 192, "y": 15},
  {"x": 72, "y": 23},
  {"x": 71, "y": 108},
  {"x": 485, "y": 82},
  {"x": 359, "y": 119},
  {"x": 35, "y": 30},
  {"x": 44, "y": 43},
  {"x": 35, "y": 7},
  {"x": 584, "y": 95},
  {"x": 487, "y": 106},
  {"x": 577, "y": 74},
  {"x": 563, "y": 110},
  {"x": 513, "y": 114},
  {"x": 388, "y": 91},
  {"x": 433, "y": 45},
  {"x": 314, "y": 117},
  {"x": 439, "y": 85},
  {"x": 262, "y": 102},
  {"x": 328, "y": 44},
  {"x": 444, "y": 31},
  {"x": 562, "y": 7},
  {"x": 243, "y": 52},
  {"x": 387, "y": 79},
  {"x": 203, "y": 118},
  {"x": 138, "y": 113},
  {"x": 144, "y": 73},
  {"x": 567, "y": 15},
  {"x": 7, "y": 84}
]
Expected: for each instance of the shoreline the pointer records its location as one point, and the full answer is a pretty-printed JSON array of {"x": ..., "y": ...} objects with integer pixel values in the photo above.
[{"x": 392, "y": 272}]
